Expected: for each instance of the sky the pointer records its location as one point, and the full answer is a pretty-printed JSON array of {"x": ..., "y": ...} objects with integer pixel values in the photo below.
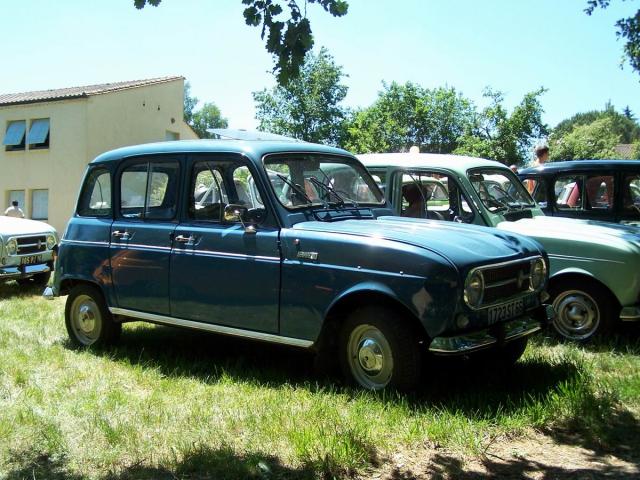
[{"x": 514, "y": 46}]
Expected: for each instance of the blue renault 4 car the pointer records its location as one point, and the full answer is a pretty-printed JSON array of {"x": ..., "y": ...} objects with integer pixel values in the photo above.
[{"x": 291, "y": 243}]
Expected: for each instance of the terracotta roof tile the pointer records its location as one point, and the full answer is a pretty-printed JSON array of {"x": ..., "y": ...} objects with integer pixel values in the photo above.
[{"x": 78, "y": 92}]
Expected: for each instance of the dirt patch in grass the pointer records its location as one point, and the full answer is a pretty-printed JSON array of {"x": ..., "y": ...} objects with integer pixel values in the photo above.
[{"x": 534, "y": 456}]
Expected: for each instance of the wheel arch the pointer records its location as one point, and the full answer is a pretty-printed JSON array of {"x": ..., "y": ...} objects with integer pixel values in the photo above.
[{"x": 580, "y": 276}]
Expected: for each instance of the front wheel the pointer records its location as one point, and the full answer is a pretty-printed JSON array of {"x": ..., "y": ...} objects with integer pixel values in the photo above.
[
  {"x": 581, "y": 313},
  {"x": 379, "y": 350},
  {"x": 88, "y": 320}
]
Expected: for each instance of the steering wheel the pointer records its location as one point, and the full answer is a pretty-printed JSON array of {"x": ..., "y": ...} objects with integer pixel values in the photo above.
[{"x": 433, "y": 215}]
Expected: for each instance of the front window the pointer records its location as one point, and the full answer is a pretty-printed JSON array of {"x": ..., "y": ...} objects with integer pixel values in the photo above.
[
  {"x": 499, "y": 190},
  {"x": 302, "y": 180}
]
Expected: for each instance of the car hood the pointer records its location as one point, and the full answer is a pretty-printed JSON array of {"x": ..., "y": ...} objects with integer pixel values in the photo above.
[
  {"x": 462, "y": 244},
  {"x": 11, "y": 226},
  {"x": 576, "y": 232}
]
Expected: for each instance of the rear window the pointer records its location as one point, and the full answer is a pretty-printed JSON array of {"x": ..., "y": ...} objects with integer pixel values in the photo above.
[{"x": 95, "y": 198}]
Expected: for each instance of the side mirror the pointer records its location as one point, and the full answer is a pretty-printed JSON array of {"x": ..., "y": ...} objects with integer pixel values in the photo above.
[{"x": 234, "y": 213}]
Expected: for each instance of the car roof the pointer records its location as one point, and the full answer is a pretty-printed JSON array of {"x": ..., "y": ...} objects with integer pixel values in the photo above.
[
  {"x": 553, "y": 167},
  {"x": 254, "y": 149},
  {"x": 458, "y": 163}
]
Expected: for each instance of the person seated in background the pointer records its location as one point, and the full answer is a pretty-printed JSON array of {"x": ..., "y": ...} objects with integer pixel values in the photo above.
[{"x": 411, "y": 193}]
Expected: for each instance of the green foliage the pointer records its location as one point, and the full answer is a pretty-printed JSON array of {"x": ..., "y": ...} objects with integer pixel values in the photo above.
[
  {"x": 208, "y": 116},
  {"x": 308, "y": 107},
  {"x": 622, "y": 124},
  {"x": 635, "y": 153},
  {"x": 498, "y": 135},
  {"x": 595, "y": 140},
  {"x": 407, "y": 115},
  {"x": 628, "y": 29},
  {"x": 189, "y": 103},
  {"x": 288, "y": 40}
]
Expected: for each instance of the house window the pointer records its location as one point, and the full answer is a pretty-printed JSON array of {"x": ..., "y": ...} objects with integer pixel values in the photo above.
[
  {"x": 40, "y": 204},
  {"x": 38, "y": 137},
  {"x": 169, "y": 135},
  {"x": 14, "y": 136},
  {"x": 16, "y": 196}
]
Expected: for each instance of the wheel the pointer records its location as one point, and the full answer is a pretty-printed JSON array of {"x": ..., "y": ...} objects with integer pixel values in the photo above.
[
  {"x": 88, "y": 320},
  {"x": 581, "y": 313},
  {"x": 379, "y": 350}
]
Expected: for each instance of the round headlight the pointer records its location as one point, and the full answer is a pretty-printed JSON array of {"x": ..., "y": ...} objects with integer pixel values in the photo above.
[
  {"x": 474, "y": 289},
  {"x": 12, "y": 247},
  {"x": 51, "y": 242},
  {"x": 538, "y": 273}
]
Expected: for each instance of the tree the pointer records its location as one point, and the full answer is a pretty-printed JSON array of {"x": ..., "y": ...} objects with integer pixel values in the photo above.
[
  {"x": 189, "y": 103},
  {"x": 628, "y": 29},
  {"x": 408, "y": 115},
  {"x": 308, "y": 107},
  {"x": 208, "y": 116},
  {"x": 623, "y": 124},
  {"x": 496, "y": 135},
  {"x": 597, "y": 139},
  {"x": 289, "y": 40}
]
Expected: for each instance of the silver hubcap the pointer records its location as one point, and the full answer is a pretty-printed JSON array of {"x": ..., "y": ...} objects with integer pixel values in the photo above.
[
  {"x": 577, "y": 315},
  {"x": 370, "y": 357},
  {"x": 86, "y": 319}
]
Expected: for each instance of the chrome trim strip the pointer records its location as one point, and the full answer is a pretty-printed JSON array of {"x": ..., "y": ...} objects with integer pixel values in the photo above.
[
  {"x": 237, "y": 332},
  {"x": 83, "y": 242},
  {"x": 214, "y": 253},
  {"x": 583, "y": 259},
  {"x": 139, "y": 246},
  {"x": 14, "y": 272}
]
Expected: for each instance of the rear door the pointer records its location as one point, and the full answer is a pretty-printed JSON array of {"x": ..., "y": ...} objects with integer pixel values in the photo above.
[{"x": 142, "y": 232}]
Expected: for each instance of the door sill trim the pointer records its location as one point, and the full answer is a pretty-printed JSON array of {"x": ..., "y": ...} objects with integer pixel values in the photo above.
[{"x": 209, "y": 327}]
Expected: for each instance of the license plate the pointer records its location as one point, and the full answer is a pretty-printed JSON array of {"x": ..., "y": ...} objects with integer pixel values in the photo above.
[
  {"x": 31, "y": 260},
  {"x": 505, "y": 311}
]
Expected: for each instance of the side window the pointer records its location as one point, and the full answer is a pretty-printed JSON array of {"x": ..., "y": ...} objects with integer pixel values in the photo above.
[
  {"x": 538, "y": 190},
  {"x": 568, "y": 191},
  {"x": 217, "y": 184},
  {"x": 149, "y": 191},
  {"x": 95, "y": 198},
  {"x": 435, "y": 196},
  {"x": 599, "y": 189},
  {"x": 631, "y": 193}
]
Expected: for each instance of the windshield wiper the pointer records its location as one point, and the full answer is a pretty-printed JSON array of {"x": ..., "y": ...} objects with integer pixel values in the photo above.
[
  {"x": 330, "y": 189},
  {"x": 296, "y": 188}
]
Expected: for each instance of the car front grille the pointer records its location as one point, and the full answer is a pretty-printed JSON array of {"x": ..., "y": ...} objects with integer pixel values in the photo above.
[
  {"x": 31, "y": 245},
  {"x": 502, "y": 282}
]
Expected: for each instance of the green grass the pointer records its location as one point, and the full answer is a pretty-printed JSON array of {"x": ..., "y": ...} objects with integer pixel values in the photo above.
[{"x": 169, "y": 403}]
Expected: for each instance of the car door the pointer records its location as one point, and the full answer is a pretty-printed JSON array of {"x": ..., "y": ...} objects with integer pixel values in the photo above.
[
  {"x": 142, "y": 232},
  {"x": 629, "y": 204},
  {"x": 224, "y": 272},
  {"x": 588, "y": 195}
]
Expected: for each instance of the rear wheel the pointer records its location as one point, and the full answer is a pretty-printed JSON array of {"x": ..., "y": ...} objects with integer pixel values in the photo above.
[
  {"x": 379, "y": 350},
  {"x": 87, "y": 318},
  {"x": 582, "y": 312}
]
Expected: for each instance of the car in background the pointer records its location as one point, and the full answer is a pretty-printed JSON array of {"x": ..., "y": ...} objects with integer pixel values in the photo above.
[
  {"x": 604, "y": 190},
  {"x": 595, "y": 266},
  {"x": 291, "y": 243},
  {"x": 27, "y": 249}
]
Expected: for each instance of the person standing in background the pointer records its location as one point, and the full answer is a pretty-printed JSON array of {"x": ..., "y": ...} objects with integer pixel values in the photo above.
[
  {"x": 14, "y": 210},
  {"x": 542, "y": 155}
]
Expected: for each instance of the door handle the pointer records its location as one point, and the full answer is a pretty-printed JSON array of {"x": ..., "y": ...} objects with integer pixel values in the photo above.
[
  {"x": 183, "y": 239},
  {"x": 121, "y": 235}
]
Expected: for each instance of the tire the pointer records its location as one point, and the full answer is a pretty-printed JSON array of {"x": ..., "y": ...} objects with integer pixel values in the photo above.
[
  {"x": 88, "y": 320},
  {"x": 582, "y": 313},
  {"x": 378, "y": 350}
]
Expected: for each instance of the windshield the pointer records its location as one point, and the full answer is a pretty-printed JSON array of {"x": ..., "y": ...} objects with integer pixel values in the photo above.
[
  {"x": 302, "y": 180},
  {"x": 499, "y": 189}
]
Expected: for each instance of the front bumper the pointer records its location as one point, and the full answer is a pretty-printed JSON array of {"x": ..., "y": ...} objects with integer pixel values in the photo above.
[
  {"x": 496, "y": 335},
  {"x": 630, "y": 314},
  {"x": 11, "y": 273}
]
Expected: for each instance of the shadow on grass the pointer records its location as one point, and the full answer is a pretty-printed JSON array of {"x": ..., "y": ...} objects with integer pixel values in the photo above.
[
  {"x": 624, "y": 339},
  {"x": 199, "y": 463},
  {"x": 11, "y": 289}
]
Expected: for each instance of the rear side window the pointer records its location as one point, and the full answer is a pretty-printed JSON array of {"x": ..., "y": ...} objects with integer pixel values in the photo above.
[
  {"x": 149, "y": 191},
  {"x": 95, "y": 198},
  {"x": 568, "y": 191}
]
